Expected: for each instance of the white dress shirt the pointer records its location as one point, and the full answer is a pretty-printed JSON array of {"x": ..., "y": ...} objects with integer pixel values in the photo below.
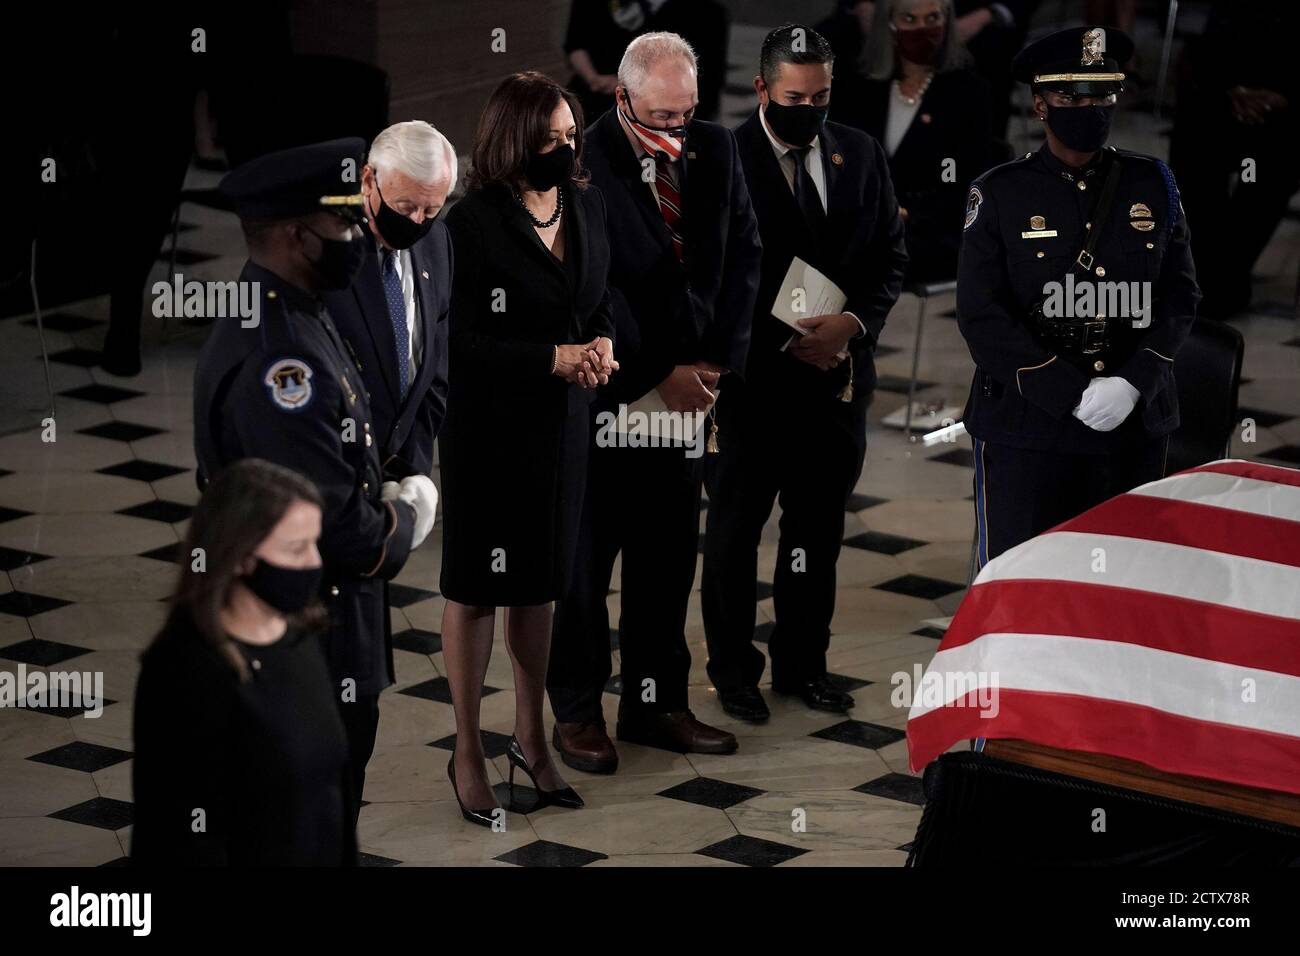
[
  {"x": 406, "y": 273},
  {"x": 816, "y": 172}
]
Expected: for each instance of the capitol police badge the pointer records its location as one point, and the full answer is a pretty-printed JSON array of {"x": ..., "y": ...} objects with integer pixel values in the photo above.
[
  {"x": 289, "y": 382},
  {"x": 1094, "y": 46}
]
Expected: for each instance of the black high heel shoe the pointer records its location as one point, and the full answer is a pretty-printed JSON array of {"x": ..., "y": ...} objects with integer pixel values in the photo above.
[
  {"x": 567, "y": 798},
  {"x": 483, "y": 818}
]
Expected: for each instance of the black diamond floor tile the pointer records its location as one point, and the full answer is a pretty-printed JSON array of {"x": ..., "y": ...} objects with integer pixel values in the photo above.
[
  {"x": 439, "y": 689},
  {"x": 80, "y": 755},
  {"x": 763, "y": 632},
  {"x": 65, "y": 322},
  {"x": 751, "y": 851},
  {"x": 957, "y": 456},
  {"x": 859, "y": 733},
  {"x": 920, "y": 586},
  {"x": 763, "y": 590},
  {"x": 403, "y": 595},
  {"x": 11, "y": 559},
  {"x": 168, "y": 512},
  {"x": 859, "y": 502},
  {"x": 120, "y": 861},
  {"x": 707, "y": 792},
  {"x": 614, "y": 685},
  {"x": 906, "y": 847},
  {"x": 494, "y": 744},
  {"x": 22, "y": 604},
  {"x": 882, "y": 543},
  {"x": 895, "y": 786},
  {"x": 9, "y": 514},
  {"x": 66, "y": 712},
  {"x": 930, "y": 631},
  {"x": 846, "y": 684},
  {"x": 41, "y": 653},
  {"x": 373, "y": 859},
  {"x": 546, "y": 853},
  {"x": 1287, "y": 453},
  {"x": 142, "y": 470},
  {"x": 168, "y": 552},
  {"x": 121, "y": 431},
  {"x": 418, "y": 641},
  {"x": 103, "y": 812},
  {"x": 613, "y": 638},
  {"x": 1263, "y": 417},
  {"x": 103, "y": 394},
  {"x": 83, "y": 358}
]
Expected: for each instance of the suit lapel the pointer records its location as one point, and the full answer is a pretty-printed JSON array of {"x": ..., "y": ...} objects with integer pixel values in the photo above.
[
  {"x": 626, "y": 163},
  {"x": 373, "y": 303},
  {"x": 575, "y": 243}
]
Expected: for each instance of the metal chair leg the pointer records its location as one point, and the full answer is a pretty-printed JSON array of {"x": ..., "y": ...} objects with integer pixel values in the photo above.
[
  {"x": 916, "y": 361},
  {"x": 1165, "y": 53},
  {"x": 40, "y": 331}
]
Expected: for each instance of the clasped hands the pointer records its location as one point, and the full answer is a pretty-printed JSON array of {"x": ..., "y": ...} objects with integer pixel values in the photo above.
[{"x": 586, "y": 365}]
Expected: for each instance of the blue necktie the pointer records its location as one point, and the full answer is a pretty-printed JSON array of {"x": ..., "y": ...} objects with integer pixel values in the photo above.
[{"x": 397, "y": 315}]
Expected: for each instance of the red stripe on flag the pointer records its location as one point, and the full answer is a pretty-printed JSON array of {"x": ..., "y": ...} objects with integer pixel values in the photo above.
[
  {"x": 1193, "y": 525},
  {"x": 1166, "y": 741},
  {"x": 1250, "y": 469},
  {"x": 1101, "y": 612}
]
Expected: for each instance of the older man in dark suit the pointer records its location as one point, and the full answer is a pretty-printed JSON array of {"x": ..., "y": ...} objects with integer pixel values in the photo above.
[
  {"x": 394, "y": 316},
  {"x": 796, "y": 428},
  {"x": 683, "y": 276}
]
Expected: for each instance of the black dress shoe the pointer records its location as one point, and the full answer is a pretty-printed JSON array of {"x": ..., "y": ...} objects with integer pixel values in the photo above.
[
  {"x": 818, "y": 694},
  {"x": 744, "y": 703}
]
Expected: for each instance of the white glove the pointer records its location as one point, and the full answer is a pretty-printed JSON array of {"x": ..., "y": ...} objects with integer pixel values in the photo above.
[
  {"x": 418, "y": 492},
  {"x": 1106, "y": 403},
  {"x": 388, "y": 491}
]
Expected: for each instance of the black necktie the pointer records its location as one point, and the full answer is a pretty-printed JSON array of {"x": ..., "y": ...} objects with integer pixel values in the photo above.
[{"x": 805, "y": 192}]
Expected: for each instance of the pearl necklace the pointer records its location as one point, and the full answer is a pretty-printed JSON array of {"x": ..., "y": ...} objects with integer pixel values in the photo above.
[
  {"x": 559, "y": 208},
  {"x": 913, "y": 100}
]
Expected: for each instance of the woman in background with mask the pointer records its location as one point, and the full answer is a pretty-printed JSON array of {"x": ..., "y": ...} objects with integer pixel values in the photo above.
[
  {"x": 240, "y": 755},
  {"x": 531, "y": 336},
  {"x": 930, "y": 113}
]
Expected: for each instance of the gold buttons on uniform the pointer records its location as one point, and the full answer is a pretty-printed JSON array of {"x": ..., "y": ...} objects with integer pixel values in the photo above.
[
  {"x": 367, "y": 426},
  {"x": 1099, "y": 365},
  {"x": 365, "y": 486},
  {"x": 369, "y": 442},
  {"x": 1151, "y": 245},
  {"x": 1101, "y": 270},
  {"x": 1081, "y": 184},
  {"x": 334, "y": 590},
  {"x": 1041, "y": 253},
  {"x": 255, "y": 664},
  {"x": 1087, "y": 225},
  {"x": 271, "y": 294}
]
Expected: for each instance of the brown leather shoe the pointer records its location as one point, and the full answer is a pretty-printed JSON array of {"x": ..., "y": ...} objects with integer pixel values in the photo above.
[
  {"x": 585, "y": 746},
  {"x": 677, "y": 730}
]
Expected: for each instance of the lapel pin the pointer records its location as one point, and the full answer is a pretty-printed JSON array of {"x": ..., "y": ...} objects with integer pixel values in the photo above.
[
  {"x": 1037, "y": 222},
  {"x": 423, "y": 273},
  {"x": 925, "y": 117},
  {"x": 837, "y": 159}
]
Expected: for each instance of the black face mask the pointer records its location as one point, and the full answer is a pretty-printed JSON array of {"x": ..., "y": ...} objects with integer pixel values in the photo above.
[
  {"x": 1084, "y": 128},
  {"x": 397, "y": 230},
  {"x": 339, "y": 261},
  {"x": 288, "y": 590},
  {"x": 796, "y": 125},
  {"x": 547, "y": 170}
]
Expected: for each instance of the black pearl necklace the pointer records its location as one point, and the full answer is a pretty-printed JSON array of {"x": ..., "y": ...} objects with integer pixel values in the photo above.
[{"x": 559, "y": 209}]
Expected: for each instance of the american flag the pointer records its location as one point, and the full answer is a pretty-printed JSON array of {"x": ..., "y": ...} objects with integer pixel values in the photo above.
[{"x": 1162, "y": 626}]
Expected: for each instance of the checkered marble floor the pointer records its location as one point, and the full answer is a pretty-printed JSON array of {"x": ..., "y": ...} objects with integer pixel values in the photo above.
[{"x": 89, "y": 524}]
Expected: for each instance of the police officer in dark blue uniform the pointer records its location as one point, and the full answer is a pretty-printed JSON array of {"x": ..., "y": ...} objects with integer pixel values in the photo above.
[
  {"x": 282, "y": 386},
  {"x": 1075, "y": 290}
]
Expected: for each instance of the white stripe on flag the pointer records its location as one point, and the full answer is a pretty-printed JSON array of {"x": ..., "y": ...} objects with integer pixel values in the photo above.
[
  {"x": 1230, "y": 580},
  {"x": 1268, "y": 499},
  {"x": 1116, "y": 671}
]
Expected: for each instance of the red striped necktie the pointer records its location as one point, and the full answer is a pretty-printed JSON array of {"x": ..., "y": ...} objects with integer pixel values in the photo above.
[{"x": 670, "y": 204}]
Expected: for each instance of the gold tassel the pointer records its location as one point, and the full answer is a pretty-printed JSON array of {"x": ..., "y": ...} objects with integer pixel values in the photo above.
[
  {"x": 711, "y": 446},
  {"x": 846, "y": 393}
]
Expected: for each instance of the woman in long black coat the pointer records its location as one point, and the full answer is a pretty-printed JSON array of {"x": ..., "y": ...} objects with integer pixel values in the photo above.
[
  {"x": 240, "y": 753},
  {"x": 531, "y": 335}
]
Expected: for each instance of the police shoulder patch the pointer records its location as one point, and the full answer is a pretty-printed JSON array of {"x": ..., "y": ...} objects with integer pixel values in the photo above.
[
  {"x": 288, "y": 380},
  {"x": 973, "y": 205}
]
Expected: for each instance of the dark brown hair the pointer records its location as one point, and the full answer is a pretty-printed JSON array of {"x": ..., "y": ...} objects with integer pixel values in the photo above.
[
  {"x": 237, "y": 511},
  {"x": 515, "y": 124}
]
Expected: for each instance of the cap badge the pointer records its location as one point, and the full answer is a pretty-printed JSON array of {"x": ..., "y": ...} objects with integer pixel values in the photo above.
[
  {"x": 1094, "y": 46},
  {"x": 1037, "y": 222}
]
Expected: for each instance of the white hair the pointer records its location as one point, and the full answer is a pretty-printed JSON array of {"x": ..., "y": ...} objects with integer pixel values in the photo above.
[
  {"x": 415, "y": 149},
  {"x": 647, "y": 50}
]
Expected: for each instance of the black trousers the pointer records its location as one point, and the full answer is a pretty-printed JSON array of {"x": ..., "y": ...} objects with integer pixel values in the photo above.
[
  {"x": 1020, "y": 493},
  {"x": 808, "y": 457},
  {"x": 361, "y": 722},
  {"x": 644, "y": 502}
]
